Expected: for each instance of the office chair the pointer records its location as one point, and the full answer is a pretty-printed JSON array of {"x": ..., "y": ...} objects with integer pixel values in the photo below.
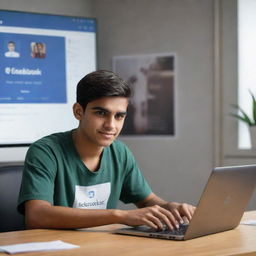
[{"x": 10, "y": 180}]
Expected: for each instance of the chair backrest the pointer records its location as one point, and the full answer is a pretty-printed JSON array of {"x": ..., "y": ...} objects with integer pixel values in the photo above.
[{"x": 10, "y": 180}]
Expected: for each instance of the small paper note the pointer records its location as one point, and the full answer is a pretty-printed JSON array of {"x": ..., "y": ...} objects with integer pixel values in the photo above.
[
  {"x": 37, "y": 246},
  {"x": 249, "y": 222}
]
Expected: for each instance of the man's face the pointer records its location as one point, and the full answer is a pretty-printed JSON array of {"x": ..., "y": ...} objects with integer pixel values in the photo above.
[
  {"x": 11, "y": 47},
  {"x": 103, "y": 120}
]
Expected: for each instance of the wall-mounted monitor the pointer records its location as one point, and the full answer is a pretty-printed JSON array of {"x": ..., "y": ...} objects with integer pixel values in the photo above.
[{"x": 42, "y": 57}]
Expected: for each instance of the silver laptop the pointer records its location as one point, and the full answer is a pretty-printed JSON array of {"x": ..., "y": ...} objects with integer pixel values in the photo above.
[{"x": 220, "y": 207}]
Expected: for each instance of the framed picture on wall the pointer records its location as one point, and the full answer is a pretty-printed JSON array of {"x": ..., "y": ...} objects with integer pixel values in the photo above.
[{"x": 152, "y": 80}]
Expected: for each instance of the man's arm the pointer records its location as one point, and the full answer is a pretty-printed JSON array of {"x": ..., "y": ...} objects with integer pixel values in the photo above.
[{"x": 41, "y": 214}]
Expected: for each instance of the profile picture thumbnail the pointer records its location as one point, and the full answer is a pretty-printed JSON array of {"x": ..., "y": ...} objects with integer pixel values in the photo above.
[
  {"x": 11, "y": 53},
  {"x": 38, "y": 50}
]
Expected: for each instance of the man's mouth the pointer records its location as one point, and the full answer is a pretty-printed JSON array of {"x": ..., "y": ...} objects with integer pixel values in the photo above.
[{"x": 107, "y": 134}]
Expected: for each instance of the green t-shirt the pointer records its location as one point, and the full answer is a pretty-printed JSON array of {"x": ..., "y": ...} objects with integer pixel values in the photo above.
[{"x": 54, "y": 172}]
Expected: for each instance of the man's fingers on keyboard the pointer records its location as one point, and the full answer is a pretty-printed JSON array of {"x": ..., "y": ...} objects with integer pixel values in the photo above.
[
  {"x": 171, "y": 219},
  {"x": 169, "y": 224},
  {"x": 177, "y": 216},
  {"x": 165, "y": 217},
  {"x": 188, "y": 210},
  {"x": 150, "y": 224}
]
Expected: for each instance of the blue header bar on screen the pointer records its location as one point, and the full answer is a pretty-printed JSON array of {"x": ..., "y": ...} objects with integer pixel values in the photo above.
[{"x": 46, "y": 21}]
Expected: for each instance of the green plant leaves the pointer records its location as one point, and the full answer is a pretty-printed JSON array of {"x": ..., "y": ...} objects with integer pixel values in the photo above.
[
  {"x": 253, "y": 107},
  {"x": 243, "y": 116}
]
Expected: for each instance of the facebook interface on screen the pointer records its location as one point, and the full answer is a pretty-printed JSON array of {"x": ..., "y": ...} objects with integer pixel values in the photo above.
[{"x": 42, "y": 57}]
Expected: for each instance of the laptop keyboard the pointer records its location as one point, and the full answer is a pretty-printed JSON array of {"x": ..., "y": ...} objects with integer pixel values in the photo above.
[{"x": 180, "y": 231}]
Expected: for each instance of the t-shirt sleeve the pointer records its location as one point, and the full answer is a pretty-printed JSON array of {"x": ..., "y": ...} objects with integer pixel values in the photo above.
[
  {"x": 135, "y": 188},
  {"x": 38, "y": 175}
]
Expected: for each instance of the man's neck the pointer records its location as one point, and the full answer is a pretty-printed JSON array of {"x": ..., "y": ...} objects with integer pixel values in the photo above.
[{"x": 90, "y": 153}]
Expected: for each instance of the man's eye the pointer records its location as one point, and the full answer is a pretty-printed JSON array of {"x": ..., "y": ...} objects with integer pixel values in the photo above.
[
  {"x": 120, "y": 116},
  {"x": 101, "y": 113}
]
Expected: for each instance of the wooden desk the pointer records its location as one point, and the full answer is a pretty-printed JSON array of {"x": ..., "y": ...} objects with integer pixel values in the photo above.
[{"x": 101, "y": 242}]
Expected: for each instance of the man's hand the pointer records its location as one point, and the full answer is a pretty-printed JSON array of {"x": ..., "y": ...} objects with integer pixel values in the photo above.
[
  {"x": 153, "y": 216},
  {"x": 182, "y": 212},
  {"x": 156, "y": 212}
]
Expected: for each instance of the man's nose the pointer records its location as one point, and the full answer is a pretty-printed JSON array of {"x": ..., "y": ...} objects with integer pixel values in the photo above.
[{"x": 109, "y": 123}]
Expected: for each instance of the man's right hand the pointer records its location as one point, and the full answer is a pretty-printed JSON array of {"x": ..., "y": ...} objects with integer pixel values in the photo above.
[{"x": 155, "y": 217}]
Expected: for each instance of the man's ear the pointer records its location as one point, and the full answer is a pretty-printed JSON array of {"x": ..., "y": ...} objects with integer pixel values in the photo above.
[{"x": 78, "y": 111}]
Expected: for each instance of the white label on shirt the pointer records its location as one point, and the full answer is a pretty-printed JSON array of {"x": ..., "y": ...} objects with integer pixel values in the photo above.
[{"x": 92, "y": 197}]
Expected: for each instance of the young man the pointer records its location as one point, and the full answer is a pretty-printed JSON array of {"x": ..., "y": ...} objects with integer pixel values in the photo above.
[
  {"x": 75, "y": 179},
  {"x": 11, "y": 51}
]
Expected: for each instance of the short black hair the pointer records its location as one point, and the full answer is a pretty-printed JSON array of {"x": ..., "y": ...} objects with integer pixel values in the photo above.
[{"x": 98, "y": 84}]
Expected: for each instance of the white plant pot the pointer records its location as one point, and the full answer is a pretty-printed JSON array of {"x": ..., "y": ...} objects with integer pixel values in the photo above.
[{"x": 253, "y": 136}]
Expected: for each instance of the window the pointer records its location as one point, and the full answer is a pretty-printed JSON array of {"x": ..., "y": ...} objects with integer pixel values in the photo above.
[{"x": 246, "y": 64}]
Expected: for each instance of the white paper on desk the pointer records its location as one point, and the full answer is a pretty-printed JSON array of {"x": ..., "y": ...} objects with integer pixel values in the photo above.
[
  {"x": 37, "y": 246},
  {"x": 249, "y": 222}
]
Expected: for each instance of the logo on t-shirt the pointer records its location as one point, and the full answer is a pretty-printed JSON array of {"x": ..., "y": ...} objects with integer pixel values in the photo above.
[
  {"x": 92, "y": 197},
  {"x": 91, "y": 194}
]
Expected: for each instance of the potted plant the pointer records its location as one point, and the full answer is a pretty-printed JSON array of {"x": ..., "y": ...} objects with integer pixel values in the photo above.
[{"x": 250, "y": 121}]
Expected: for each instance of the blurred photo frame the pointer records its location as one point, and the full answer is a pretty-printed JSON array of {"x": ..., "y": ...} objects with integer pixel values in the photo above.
[{"x": 152, "y": 105}]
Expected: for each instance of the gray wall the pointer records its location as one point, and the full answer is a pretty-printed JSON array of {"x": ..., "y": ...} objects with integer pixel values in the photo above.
[{"x": 176, "y": 167}]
